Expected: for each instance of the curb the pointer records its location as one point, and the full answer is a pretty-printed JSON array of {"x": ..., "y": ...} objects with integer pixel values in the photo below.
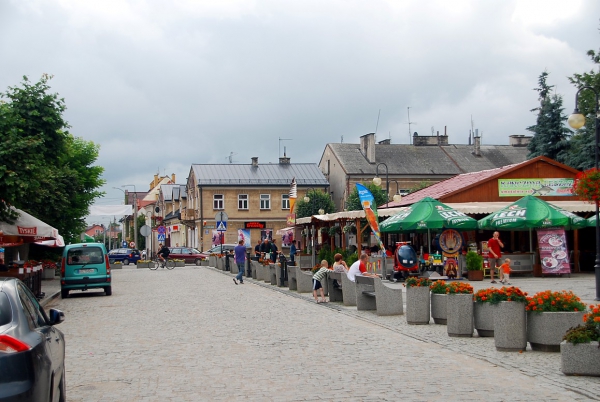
[{"x": 48, "y": 299}]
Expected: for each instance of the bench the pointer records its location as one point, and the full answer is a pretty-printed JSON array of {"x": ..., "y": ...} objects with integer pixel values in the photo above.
[
  {"x": 374, "y": 294},
  {"x": 335, "y": 293},
  {"x": 292, "y": 283},
  {"x": 348, "y": 291},
  {"x": 303, "y": 280}
]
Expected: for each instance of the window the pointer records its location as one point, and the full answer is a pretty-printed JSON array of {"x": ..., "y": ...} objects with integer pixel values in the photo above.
[
  {"x": 218, "y": 201},
  {"x": 242, "y": 201},
  {"x": 265, "y": 201},
  {"x": 31, "y": 307},
  {"x": 285, "y": 201}
]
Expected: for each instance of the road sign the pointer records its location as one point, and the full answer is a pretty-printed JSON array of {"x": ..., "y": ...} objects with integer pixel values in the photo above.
[
  {"x": 132, "y": 245},
  {"x": 221, "y": 216},
  {"x": 161, "y": 237},
  {"x": 124, "y": 244},
  {"x": 222, "y": 226},
  {"x": 145, "y": 230},
  {"x": 162, "y": 230}
]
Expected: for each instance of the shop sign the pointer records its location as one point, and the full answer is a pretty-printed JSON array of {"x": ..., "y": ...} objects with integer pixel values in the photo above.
[
  {"x": 554, "y": 253},
  {"x": 537, "y": 187},
  {"x": 255, "y": 225}
]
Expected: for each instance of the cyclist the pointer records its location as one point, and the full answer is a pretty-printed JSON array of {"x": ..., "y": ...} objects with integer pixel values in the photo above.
[{"x": 163, "y": 254}]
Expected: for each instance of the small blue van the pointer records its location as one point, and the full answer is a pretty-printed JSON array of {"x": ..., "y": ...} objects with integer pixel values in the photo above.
[{"x": 85, "y": 266}]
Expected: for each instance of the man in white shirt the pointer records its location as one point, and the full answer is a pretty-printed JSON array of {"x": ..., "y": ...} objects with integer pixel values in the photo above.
[{"x": 359, "y": 268}]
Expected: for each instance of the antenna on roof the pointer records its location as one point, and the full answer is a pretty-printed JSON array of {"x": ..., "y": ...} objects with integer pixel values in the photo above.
[
  {"x": 282, "y": 139},
  {"x": 230, "y": 157},
  {"x": 409, "y": 123},
  {"x": 377, "y": 125},
  {"x": 342, "y": 140}
]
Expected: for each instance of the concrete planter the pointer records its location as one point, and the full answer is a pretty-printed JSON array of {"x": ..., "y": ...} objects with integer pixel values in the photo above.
[
  {"x": 212, "y": 261},
  {"x": 580, "y": 359},
  {"x": 273, "y": 268},
  {"x": 180, "y": 263},
  {"x": 204, "y": 263},
  {"x": 438, "y": 308},
  {"x": 143, "y": 264},
  {"x": 510, "y": 327},
  {"x": 483, "y": 318},
  {"x": 116, "y": 266},
  {"x": 545, "y": 330},
  {"x": 48, "y": 273},
  {"x": 460, "y": 315},
  {"x": 233, "y": 267},
  {"x": 417, "y": 305}
]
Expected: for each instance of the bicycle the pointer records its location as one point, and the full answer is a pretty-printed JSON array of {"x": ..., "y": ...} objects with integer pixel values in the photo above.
[{"x": 168, "y": 263}]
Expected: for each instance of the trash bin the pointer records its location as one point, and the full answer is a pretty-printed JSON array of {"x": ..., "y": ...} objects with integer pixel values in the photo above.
[
  {"x": 248, "y": 266},
  {"x": 283, "y": 267},
  {"x": 227, "y": 257}
]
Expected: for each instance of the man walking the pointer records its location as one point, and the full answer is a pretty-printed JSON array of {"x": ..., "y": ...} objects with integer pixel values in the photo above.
[
  {"x": 239, "y": 253},
  {"x": 494, "y": 245}
]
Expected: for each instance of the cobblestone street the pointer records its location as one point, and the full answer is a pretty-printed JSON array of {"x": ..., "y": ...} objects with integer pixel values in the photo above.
[{"x": 191, "y": 335}]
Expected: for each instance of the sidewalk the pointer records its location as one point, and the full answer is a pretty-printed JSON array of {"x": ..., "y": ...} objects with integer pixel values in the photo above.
[{"x": 51, "y": 288}]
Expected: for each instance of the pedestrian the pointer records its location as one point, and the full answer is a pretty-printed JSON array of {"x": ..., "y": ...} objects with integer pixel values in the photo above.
[
  {"x": 265, "y": 249},
  {"x": 505, "y": 272},
  {"x": 293, "y": 251},
  {"x": 239, "y": 253},
  {"x": 359, "y": 268},
  {"x": 494, "y": 245},
  {"x": 317, "y": 278},
  {"x": 339, "y": 265},
  {"x": 144, "y": 254},
  {"x": 257, "y": 249},
  {"x": 274, "y": 251}
]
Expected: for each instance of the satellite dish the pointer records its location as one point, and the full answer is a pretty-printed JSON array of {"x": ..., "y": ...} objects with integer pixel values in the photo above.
[{"x": 157, "y": 209}]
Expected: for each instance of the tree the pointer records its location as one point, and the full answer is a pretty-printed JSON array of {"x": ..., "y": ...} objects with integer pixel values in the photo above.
[
  {"x": 353, "y": 202},
  {"x": 551, "y": 136},
  {"x": 581, "y": 154},
  {"x": 318, "y": 200},
  {"x": 45, "y": 169}
]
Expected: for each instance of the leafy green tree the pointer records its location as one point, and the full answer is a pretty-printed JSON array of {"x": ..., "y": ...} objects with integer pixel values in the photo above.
[
  {"x": 419, "y": 186},
  {"x": 582, "y": 150},
  {"x": 550, "y": 135},
  {"x": 318, "y": 200},
  {"x": 45, "y": 169},
  {"x": 353, "y": 202}
]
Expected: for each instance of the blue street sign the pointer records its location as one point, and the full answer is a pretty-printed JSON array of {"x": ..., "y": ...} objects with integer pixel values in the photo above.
[
  {"x": 124, "y": 244},
  {"x": 161, "y": 237},
  {"x": 222, "y": 226},
  {"x": 161, "y": 230}
]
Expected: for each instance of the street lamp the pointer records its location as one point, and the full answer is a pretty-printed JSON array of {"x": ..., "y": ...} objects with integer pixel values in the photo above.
[
  {"x": 307, "y": 199},
  {"x": 577, "y": 120},
  {"x": 377, "y": 182},
  {"x": 123, "y": 225},
  {"x": 397, "y": 197},
  {"x": 134, "y": 212}
]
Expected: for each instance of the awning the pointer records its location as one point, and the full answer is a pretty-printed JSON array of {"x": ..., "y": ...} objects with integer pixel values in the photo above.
[{"x": 283, "y": 231}]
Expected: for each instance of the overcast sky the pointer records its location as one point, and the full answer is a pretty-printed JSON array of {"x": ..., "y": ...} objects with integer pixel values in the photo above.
[{"x": 164, "y": 84}]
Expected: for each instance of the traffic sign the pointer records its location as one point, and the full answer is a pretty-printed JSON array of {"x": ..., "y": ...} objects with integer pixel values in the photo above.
[
  {"x": 162, "y": 230},
  {"x": 221, "y": 216},
  {"x": 124, "y": 244},
  {"x": 222, "y": 226},
  {"x": 161, "y": 237},
  {"x": 145, "y": 230},
  {"x": 132, "y": 245}
]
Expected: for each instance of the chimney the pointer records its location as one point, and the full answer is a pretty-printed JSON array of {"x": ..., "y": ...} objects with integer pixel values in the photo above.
[
  {"x": 387, "y": 141},
  {"x": 477, "y": 146},
  {"x": 367, "y": 146},
  {"x": 284, "y": 160},
  {"x": 428, "y": 140},
  {"x": 519, "y": 140},
  {"x": 255, "y": 161},
  {"x": 173, "y": 178}
]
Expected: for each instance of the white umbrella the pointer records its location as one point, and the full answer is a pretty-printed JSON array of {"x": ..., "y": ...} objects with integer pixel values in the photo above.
[
  {"x": 25, "y": 229},
  {"x": 58, "y": 242}
]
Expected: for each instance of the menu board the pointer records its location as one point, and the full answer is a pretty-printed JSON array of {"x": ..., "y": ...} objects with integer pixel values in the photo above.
[{"x": 554, "y": 254}]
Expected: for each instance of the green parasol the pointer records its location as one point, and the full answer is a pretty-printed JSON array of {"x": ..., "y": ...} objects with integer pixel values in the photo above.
[
  {"x": 531, "y": 212},
  {"x": 427, "y": 214},
  {"x": 88, "y": 238},
  {"x": 591, "y": 221}
]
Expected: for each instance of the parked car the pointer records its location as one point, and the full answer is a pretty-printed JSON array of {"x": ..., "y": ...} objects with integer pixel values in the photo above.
[
  {"x": 32, "y": 350},
  {"x": 124, "y": 255},
  {"x": 85, "y": 266},
  {"x": 217, "y": 250},
  {"x": 188, "y": 254}
]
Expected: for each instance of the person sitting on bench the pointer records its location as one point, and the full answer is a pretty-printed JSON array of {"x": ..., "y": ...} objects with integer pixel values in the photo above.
[{"x": 359, "y": 268}]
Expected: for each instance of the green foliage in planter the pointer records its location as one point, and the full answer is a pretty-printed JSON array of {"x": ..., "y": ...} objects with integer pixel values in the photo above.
[
  {"x": 438, "y": 287},
  {"x": 581, "y": 334},
  {"x": 474, "y": 261}
]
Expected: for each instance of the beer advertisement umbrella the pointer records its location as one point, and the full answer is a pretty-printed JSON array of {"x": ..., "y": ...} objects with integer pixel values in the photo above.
[
  {"x": 531, "y": 212},
  {"x": 425, "y": 215},
  {"x": 25, "y": 229},
  {"x": 591, "y": 221}
]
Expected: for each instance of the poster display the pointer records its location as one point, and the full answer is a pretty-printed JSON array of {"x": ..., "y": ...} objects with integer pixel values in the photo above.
[
  {"x": 244, "y": 234},
  {"x": 537, "y": 187},
  {"x": 217, "y": 238},
  {"x": 554, "y": 254}
]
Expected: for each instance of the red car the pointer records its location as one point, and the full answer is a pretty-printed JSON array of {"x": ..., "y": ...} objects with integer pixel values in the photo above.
[{"x": 188, "y": 254}]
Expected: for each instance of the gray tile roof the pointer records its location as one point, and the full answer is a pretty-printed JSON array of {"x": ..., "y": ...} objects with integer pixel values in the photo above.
[
  {"x": 306, "y": 174},
  {"x": 173, "y": 192},
  {"x": 406, "y": 159}
]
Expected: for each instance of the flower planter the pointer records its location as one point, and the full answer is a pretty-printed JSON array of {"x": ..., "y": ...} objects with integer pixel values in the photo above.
[
  {"x": 438, "y": 308},
  {"x": 204, "y": 263},
  {"x": 180, "y": 263},
  {"x": 483, "y": 318},
  {"x": 510, "y": 326},
  {"x": 545, "y": 330},
  {"x": 143, "y": 264},
  {"x": 220, "y": 263},
  {"x": 417, "y": 305},
  {"x": 116, "y": 266},
  {"x": 48, "y": 273},
  {"x": 475, "y": 275},
  {"x": 212, "y": 261},
  {"x": 580, "y": 359},
  {"x": 460, "y": 315}
]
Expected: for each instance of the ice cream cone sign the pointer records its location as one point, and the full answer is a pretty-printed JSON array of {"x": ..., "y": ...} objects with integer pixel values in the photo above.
[{"x": 293, "y": 195}]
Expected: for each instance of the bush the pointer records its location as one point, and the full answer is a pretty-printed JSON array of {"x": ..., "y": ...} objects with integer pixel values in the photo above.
[
  {"x": 495, "y": 296},
  {"x": 459, "y": 288},
  {"x": 589, "y": 331},
  {"x": 412, "y": 282},
  {"x": 554, "y": 301},
  {"x": 438, "y": 287},
  {"x": 474, "y": 261}
]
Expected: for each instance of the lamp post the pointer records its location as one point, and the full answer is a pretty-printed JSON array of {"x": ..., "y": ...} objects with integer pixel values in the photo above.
[
  {"x": 134, "y": 212},
  {"x": 123, "y": 225},
  {"x": 307, "y": 199},
  {"x": 577, "y": 120},
  {"x": 397, "y": 197},
  {"x": 377, "y": 182}
]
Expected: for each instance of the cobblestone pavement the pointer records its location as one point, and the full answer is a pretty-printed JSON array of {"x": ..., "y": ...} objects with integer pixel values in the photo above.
[{"x": 191, "y": 335}]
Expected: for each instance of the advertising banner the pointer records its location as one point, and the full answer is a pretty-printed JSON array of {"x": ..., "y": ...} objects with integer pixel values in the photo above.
[
  {"x": 368, "y": 203},
  {"x": 537, "y": 187},
  {"x": 554, "y": 253}
]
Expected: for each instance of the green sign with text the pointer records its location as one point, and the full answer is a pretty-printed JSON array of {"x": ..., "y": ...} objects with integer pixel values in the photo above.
[{"x": 537, "y": 187}]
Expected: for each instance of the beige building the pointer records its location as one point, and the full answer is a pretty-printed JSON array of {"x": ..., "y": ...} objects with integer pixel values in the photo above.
[
  {"x": 255, "y": 198},
  {"x": 429, "y": 159}
]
